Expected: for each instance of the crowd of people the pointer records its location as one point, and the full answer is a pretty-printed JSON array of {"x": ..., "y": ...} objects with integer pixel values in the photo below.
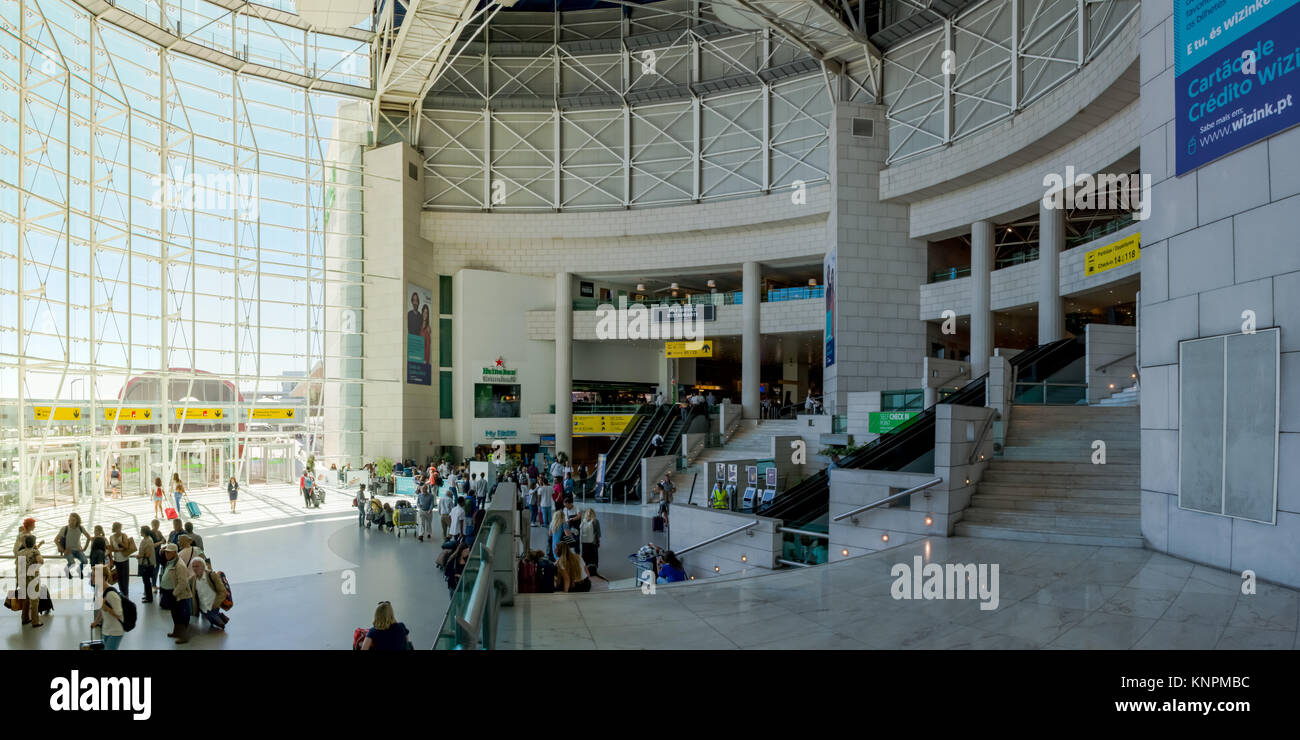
[{"x": 172, "y": 565}]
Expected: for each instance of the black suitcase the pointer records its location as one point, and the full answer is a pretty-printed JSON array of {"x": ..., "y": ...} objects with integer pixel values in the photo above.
[
  {"x": 658, "y": 524},
  {"x": 92, "y": 643}
]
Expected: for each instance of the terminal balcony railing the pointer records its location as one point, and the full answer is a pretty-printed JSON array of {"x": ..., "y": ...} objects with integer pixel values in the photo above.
[{"x": 730, "y": 298}]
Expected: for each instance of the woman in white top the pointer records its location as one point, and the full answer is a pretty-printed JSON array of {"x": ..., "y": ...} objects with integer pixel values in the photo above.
[{"x": 109, "y": 615}]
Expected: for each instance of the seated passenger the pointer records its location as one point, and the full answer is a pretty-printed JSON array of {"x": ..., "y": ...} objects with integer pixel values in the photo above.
[
  {"x": 671, "y": 570},
  {"x": 387, "y": 633}
]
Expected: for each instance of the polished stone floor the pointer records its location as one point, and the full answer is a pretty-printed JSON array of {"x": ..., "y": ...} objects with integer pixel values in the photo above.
[{"x": 1050, "y": 596}]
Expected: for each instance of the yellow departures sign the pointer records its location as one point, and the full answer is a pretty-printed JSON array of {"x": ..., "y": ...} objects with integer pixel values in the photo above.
[
  {"x": 61, "y": 413},
  {"x": 1115, "y": 254}
]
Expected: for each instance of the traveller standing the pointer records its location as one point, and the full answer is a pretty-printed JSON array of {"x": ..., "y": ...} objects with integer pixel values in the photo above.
[
  {"x": 158, "y": 498},
  {"x": 556, "y": 534},
  {"x": 589, "y": 541},
  {"x": 120, "y": 548},
  {"x": 425, "y": 503},
  {"x": 109, "y": 615},
  {"x": 69, "y": 544},
  {"x": 445, "y": 505},
  {"x": 456, "y": 528},
  {"x": 178, "y": 490},
  {"x": 182, "y": 595},
  {"x": 147, "y": 563},
  {"x": 657, "y": 445},
  {"x": 29, "y": 559},
  {"x": 361, "y": 506},
  {"x": 232, "y": 490}
]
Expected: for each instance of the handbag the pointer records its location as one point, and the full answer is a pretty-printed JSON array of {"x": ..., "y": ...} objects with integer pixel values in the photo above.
[
  {"x": 14, "y": 603},
  {"x": 166, "y": 601}
]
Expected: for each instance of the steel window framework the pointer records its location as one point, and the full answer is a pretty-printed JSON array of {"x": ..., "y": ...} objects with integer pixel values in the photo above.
[{"x": 105, "y": 276}]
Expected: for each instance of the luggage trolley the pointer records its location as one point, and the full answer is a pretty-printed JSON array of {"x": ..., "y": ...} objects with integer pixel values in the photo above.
[
  {"x": 403, "y": 518},
  {"x": 644, "y": 560}
]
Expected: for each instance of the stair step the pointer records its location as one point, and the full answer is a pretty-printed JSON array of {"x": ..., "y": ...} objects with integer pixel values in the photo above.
[
  {"x": 966, "y": 529},
  {"x": 1124, "y": 524},
  {"x": 1100, "y": 480},
  {"x": 1076, "y": 456},
  {"x": 1080, "y": 491},
  {"x": 1057, "y": 504},
  {"x": 1052, "y": 467}
]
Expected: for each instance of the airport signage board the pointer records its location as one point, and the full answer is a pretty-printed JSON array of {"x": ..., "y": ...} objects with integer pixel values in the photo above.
[
  {"x": 116, "y": 414},
  {"x": 271, "y": 414},
  {"x": 1115, "y": 254},
  {"x": 610, "y": 424},
  {"x": 884, "y": 422},
  {"x": 498, "y": 373},
  {"x": 195, "y": 414},
  {"x": 699, "y": 348},
  {"x": 59, "y": 413},
  {"x": 1236, "y": 75}
]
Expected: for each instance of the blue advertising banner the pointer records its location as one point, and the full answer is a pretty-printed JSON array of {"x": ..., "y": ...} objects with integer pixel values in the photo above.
[
  {"x": 1236, "y": 75},
  {"x": 828, "y": 280}
]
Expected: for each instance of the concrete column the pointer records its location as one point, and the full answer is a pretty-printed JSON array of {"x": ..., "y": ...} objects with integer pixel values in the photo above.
[
  {"x": 564, "y": 363},
  {"x": 750, "y": 356},
  {"x": 981, "y": 314},
  {"x": 1051, "y": 242}
]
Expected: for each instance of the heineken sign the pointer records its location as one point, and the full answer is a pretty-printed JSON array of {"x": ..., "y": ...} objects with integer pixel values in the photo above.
[
  {"x": 498, "y": 373},
  {"x": 884, "y": 422}
]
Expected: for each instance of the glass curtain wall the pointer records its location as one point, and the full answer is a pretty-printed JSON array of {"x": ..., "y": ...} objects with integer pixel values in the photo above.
[{"x": 181, "y": 257}]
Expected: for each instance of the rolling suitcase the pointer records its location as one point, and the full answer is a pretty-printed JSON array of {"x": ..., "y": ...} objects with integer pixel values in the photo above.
[
  {"x": 92, "y": 643},
  {"x": 658, "y": 524},
  {"x": 171, "y": 513},
  {"x": 192, "y": 508}
]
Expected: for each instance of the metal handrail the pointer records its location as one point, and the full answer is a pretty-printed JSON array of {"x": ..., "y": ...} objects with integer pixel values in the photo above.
[
  {"x": 795, "y": 563},
  {"x": 792, "y": 530},
  {"x": 887, "y": 499},
  {"x": 715, "y": 538},
  {"x": 979, "y": 441},
  {"x": 1112, "y": 362},
  {"x": 471, "y": 621}
]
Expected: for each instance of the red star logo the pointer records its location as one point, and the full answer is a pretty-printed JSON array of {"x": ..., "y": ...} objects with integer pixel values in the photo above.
[{"x": 501, "y": 362}]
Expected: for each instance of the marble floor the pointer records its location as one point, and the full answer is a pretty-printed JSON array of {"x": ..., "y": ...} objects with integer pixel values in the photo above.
[{"x": 1050, "y": 596}]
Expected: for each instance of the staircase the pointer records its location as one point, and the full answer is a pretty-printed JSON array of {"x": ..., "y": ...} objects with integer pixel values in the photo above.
[
  {"x": 1045, "y": 487},
  {"x": 753, "y": 438},
  {"x": 1127, "y": 397}
]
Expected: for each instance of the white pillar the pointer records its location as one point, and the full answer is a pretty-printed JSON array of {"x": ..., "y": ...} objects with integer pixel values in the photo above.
[
  {"x": 750, "y": 356},
  {"x": 1051, "y": 241},
  {"x": 564, "y": 363},
  {"x": 981, "y": 315}
]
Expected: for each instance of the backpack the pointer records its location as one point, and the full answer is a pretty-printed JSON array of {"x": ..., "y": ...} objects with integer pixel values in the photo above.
[
  {"x": 230, "y": 598},
  {"x": 527, "y": 577},
  {"x": 545, "y": 577},
  {"x": 61, "y": 538},
  {"x": 128, "y": 611}
]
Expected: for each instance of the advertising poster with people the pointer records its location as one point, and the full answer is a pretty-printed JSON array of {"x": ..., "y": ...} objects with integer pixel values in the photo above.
[
  {"x": 828, "y": 275},
  {"x": 419, "y": 334}
]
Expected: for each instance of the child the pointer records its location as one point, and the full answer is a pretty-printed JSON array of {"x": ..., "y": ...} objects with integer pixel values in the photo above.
[{"x": 99, "y": 549}]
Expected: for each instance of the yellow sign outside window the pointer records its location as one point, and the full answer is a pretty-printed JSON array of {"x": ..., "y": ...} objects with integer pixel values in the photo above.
[
  {"x": 271, "y": 413},
  {"x": 198, "y": 414},
  {"x": 1115, "y": 254},
  {"x": 61, "y": 413},
  {"x": 128, "y": 414}
]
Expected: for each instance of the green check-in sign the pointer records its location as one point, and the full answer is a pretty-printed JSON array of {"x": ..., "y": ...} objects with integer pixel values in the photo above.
[{"x": 884, "y": 422}]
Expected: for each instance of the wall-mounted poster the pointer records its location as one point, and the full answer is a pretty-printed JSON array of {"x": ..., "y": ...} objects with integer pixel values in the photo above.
[
  {"x": 1236, "y": 75},
  {"x": 419, "y": 335},
  {"x": 721, "y": 472},
  {"x": 752, "y": 471},
  {"x": 828, "y": 280},
  {"x": 586, "y": 289},
  {"x": 731, "y": 472},
  {"x": 771, "y": 477}
]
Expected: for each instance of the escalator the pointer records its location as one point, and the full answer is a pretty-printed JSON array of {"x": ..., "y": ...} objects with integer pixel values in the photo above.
[
  {"x": 626, "y": 483},
  {"x": 624, "y": 459},
  {"x": 807, "y": 505}
]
